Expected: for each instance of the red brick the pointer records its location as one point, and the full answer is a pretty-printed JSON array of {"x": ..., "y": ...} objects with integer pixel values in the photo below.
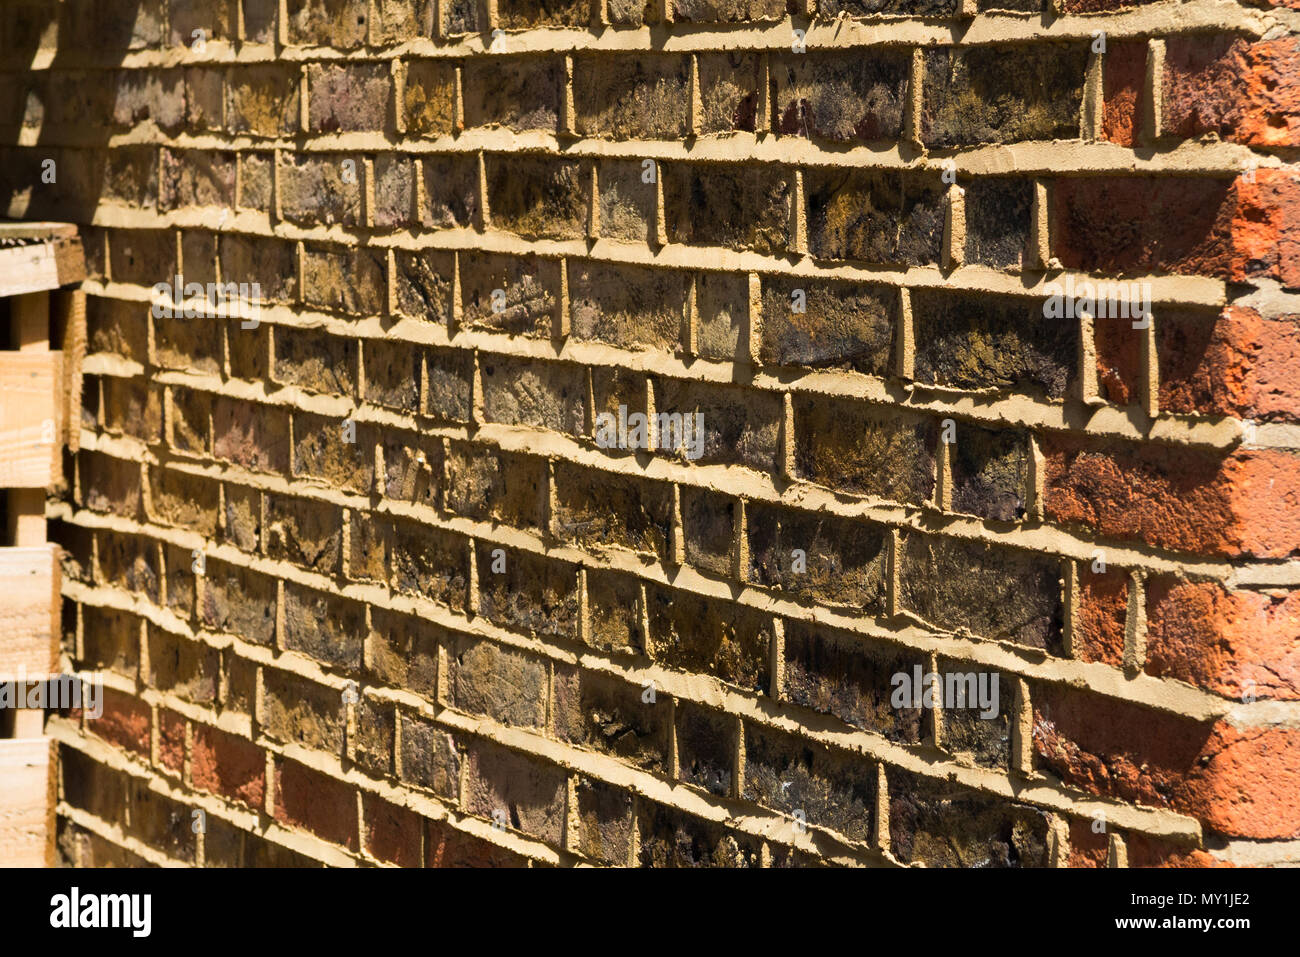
[
  {"x": 392, "y": 833},
  {"x": 1146, "y": 851},
  {"x": 323, "y": 805},
  {"x": 1241, "y": 783},
  {"x": 1243, "y": 503},
  {"x": 451, "y": 848},
  {"x": 171, "y": 740},
  {"x": 1123, "y": 91},
  {"x": 1144, "y": 224},
  {"x": 1088, "y": 848},
  {"x": 125, "y": 722},
  {"x": 1100, "y": 616},
  {"x": 1266, "y": 230},
  {"x": 1218, "y": 639},
  {"x": 1245, "y": 92},
  {"x": 1238, "y": 363},
  {"x": 228, "y": 765}
]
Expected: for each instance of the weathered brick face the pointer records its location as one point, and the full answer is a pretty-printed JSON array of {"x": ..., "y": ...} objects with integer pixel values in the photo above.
[{"x": 614, "y": 433}]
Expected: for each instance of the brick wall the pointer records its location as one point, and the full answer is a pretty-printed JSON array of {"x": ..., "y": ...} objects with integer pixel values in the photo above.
[{"x": 363, "y": 585}]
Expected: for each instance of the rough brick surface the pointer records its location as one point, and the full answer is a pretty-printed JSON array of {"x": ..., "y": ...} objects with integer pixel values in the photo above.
[{"x": 630, "y": 406}]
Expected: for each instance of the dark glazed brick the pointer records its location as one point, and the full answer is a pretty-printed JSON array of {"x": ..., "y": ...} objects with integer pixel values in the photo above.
[
  {"x": 846, "y": 97},
  {"x": 943, "y": 825},
  {"x": 986, "y": 590},
  {"x": 845, "y": 560},
  {"x": 531, "y": 593},
  {"x": 710, "y": 636},
  {"x": 612, "y": 716},
  {"x": 972, "y": 341},
  {"x": 1003, "y": 94},
  {"x": 875, "y": 216},
  {"x": 672, "y": 838},
  {"x": 842, "y": 325},
  {"x": 851, "y": 677},
  {"x": 536, "y": 197},
  {"x": 520, "y": 93},
  {"x": 852, "y": 446},
  {"x": 740, "y": 425},
  {"x": 801, "y": 778},
  {"x": 990, "y": 472},
  {"x": 997, "y": 221},
  {"x": 740, "y": 207},
  {"x": 706, "y": 748},
  {"x": 969, "y": 730},
  {"x": 614, "y": 511}
]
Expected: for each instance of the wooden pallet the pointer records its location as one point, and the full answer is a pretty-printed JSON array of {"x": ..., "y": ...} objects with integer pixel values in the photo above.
[{"x": 40, "y": 401}]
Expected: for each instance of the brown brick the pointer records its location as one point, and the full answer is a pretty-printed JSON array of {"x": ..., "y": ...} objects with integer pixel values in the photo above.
[
  {"x": 740, "y": 207},
  {"x": 828, "y": 324},
  {"x": 875, "y": 216},
  {"x": 606, "y": 714},
  {"x": 990, "y": 591},
  {"x": 515, "y": 789},
  {"x": 865, "y": 449},
  {"x": 536, "y": 197},
  {"x": 430, "y": 758},
  {"x": 301, "y": 712},
  {"x": 323, "y": 626},
  {"x": 521, "y": 93},
  {"x": 429, "y": 97},
  {"x": 315, "y": 802},
  {"x": 622, "y": 97},
  {"x": 263, "y": 100},
  {"x": 518, "y": 295},
  {"x": 501, "y": 683},
  {"x": 349, "y": 97},
  {"x": 333, "y": 23},
  {"x": 498, "y": 487},
  {"x": 710, "y": 636},
  {"x": 817, "y": 557},
  {"x": 852, "y": 678},
  {"x": 841, "y": 97},
  {"x": 527, "y": 592},
  {"x": 1003, "y": 94}
]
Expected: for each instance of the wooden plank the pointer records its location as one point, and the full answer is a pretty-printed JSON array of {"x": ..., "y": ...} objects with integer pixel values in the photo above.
[
  {"x": 26, "y": 802},
  {"x": 39, "y": 266},
  {"x": 37, "y": 230},
  {"x": 68, "y": 331},
  {"x": 29, "y": 611},
  {"x": 30, "y": 416}
]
